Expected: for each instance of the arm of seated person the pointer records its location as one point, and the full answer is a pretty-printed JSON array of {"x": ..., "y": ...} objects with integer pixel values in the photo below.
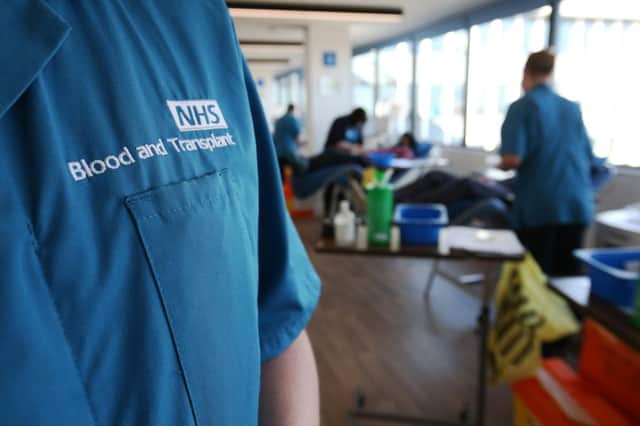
[
  {"x": 352, "y": 149},
  {"x": 510, "y": 162}
]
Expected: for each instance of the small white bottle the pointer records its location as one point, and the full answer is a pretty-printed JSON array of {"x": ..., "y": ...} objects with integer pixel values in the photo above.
[
  {"x": 362, "y": 242},
  {"x": 394, "y": 243},
  {"x": 344, "y": 225}
]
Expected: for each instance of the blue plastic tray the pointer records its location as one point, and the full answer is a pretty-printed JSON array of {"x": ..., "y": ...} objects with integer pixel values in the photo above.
[
  {"x": 382, "y": 160},
  {"x": 420, "y": 223},
  {"x": 609, "y": 278}
]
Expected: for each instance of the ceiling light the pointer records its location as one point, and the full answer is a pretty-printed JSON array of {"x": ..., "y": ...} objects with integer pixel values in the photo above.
[
  {"x": 274, "y": 61},
  {"x": 266, "y": 43},
  {"x": 313, "y": 12},
  {"x": 287, "y": 47},
  {"x": 597, "y": 9}
]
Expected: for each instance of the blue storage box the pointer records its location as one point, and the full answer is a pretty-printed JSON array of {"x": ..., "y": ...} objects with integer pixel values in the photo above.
[
  {"x": 609, "y": 278},
  {"x": 420, "y": 223},
  {"x": 382, "y": 160}
]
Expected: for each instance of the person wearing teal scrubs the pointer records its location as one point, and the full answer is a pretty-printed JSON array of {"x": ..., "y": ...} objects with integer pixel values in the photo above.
[
  {"x": 150, "y": 273},
  {"x": 286, "y": 137},
  {"x": 545, "y": 140}
]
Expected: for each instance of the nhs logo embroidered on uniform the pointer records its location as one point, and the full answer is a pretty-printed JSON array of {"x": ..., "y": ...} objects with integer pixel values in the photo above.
[{"x": 201, "y": 114}]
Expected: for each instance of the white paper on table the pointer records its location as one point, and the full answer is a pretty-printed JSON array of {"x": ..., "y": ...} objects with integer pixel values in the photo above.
[{"x": 479, "y": 241}]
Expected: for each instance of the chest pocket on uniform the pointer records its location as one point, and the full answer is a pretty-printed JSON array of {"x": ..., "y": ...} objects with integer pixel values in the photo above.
[{"x": 204, "y": 264}]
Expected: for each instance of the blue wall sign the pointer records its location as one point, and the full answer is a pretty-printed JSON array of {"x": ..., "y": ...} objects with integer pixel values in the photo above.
[{"x": 330, "y": 58}]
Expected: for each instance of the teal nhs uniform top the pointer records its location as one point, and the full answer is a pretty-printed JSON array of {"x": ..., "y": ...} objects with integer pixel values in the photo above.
[
  {"x": 148, "y": 263},
  {"x": 553, "y": 185},
  {"x": 285, "y": 135}
]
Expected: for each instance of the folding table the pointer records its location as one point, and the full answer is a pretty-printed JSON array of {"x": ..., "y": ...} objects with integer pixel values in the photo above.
[{"x": 490, "y": 262}]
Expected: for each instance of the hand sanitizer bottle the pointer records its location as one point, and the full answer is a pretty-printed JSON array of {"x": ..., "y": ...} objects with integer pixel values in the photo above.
[{"x": 344, "y": 225}]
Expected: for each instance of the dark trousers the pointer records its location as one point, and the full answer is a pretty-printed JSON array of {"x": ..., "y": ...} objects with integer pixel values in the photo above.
[
  {"x": 297, "y": 165},
  {"x": 334, "y": 157},
  {"x": 552, "y": 246},
  {"x": 326, "y": 159},
  {"x": 446, "y": 188}
]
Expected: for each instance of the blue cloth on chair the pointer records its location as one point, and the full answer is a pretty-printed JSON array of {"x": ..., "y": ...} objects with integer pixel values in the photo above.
[
  {"x": 423, "y": 149},
  {"x": 308, "y": 184},
  {"x": 490, "y": 213}
]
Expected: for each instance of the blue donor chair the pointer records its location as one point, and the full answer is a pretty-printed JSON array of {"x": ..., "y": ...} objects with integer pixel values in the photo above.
[{"x": 307, "y": 184}]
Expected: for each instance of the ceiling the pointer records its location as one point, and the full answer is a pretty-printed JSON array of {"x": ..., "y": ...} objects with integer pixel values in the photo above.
[{"x": 417, "y": 13}]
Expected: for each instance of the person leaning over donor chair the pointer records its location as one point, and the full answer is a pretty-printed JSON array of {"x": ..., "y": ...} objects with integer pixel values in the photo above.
[
  {"x": 545, "y": 140},
  {"x": 172, "y": 290},
  {"x": 345, "y": 134},
  {"x": 344, "y": 143}
]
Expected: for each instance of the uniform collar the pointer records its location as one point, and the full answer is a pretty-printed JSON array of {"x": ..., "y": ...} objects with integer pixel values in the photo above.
[
  {"x": 541, "y": 86},
  {"x": 30, "y": 35}
]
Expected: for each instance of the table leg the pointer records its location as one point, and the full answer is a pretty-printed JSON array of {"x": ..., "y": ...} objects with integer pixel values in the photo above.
[
  {"x": 481, "y": 395},
  {"x": 483, "y": 329},
  {"x": 432, "y": 277},
  {"x": 482, "y": 365}
]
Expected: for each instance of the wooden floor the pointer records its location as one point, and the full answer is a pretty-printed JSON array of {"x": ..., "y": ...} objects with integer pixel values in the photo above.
[{"x": 375, "y": 331}]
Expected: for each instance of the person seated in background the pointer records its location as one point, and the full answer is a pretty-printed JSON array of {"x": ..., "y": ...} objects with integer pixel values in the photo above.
[
  {"x": 545, "y": 140},
  {"x": 405, "y": 148},
  {"x": 286, "y": 137}
]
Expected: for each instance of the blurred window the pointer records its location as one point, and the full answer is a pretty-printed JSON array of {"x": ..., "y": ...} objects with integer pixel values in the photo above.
[
  {"x": 598, "y": 65},
  {"x": 395, "y": 81},
  {"x": 497, "y": 54},
  {"x": 441, "y": 80},
  {"x": 363, "y": 71}
]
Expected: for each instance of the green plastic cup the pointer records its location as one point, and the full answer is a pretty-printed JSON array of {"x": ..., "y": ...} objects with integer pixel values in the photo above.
[{"x": 379, "y": 213}]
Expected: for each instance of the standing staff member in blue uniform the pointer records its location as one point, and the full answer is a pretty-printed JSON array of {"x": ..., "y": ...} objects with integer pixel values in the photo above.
[
  {"x": 150, "y": 273},
  {"x": 545, "y": 140},
  {"x": 286, "y": 137}
]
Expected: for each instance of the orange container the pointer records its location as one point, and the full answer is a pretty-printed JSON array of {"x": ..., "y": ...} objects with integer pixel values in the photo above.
[
  {"x": 290, "y": 199},
  {"x": 535, "y": 406},
  {"x": 613, "y": 367},
  {"x": 606, "y": 388}
]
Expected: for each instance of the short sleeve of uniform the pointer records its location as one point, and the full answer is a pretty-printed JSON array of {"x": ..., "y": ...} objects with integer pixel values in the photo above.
[
  {"x": 289, "y": 286},
  {"x": 514, "y": 134},
  {"x": 30, "y": 33},
  {"x": 294, "y": 126}
]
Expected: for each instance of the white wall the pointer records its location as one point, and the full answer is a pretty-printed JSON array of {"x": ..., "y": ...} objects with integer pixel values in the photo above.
[
  {"x": 624, "y": 190},
  {"x": 328, "y": 88},
  {"x": 464, "y": 161},
  {"x": 265, "y": 73}
]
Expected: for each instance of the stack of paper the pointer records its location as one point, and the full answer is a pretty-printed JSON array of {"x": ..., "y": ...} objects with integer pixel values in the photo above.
[{"x": 479, "y": 241}]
